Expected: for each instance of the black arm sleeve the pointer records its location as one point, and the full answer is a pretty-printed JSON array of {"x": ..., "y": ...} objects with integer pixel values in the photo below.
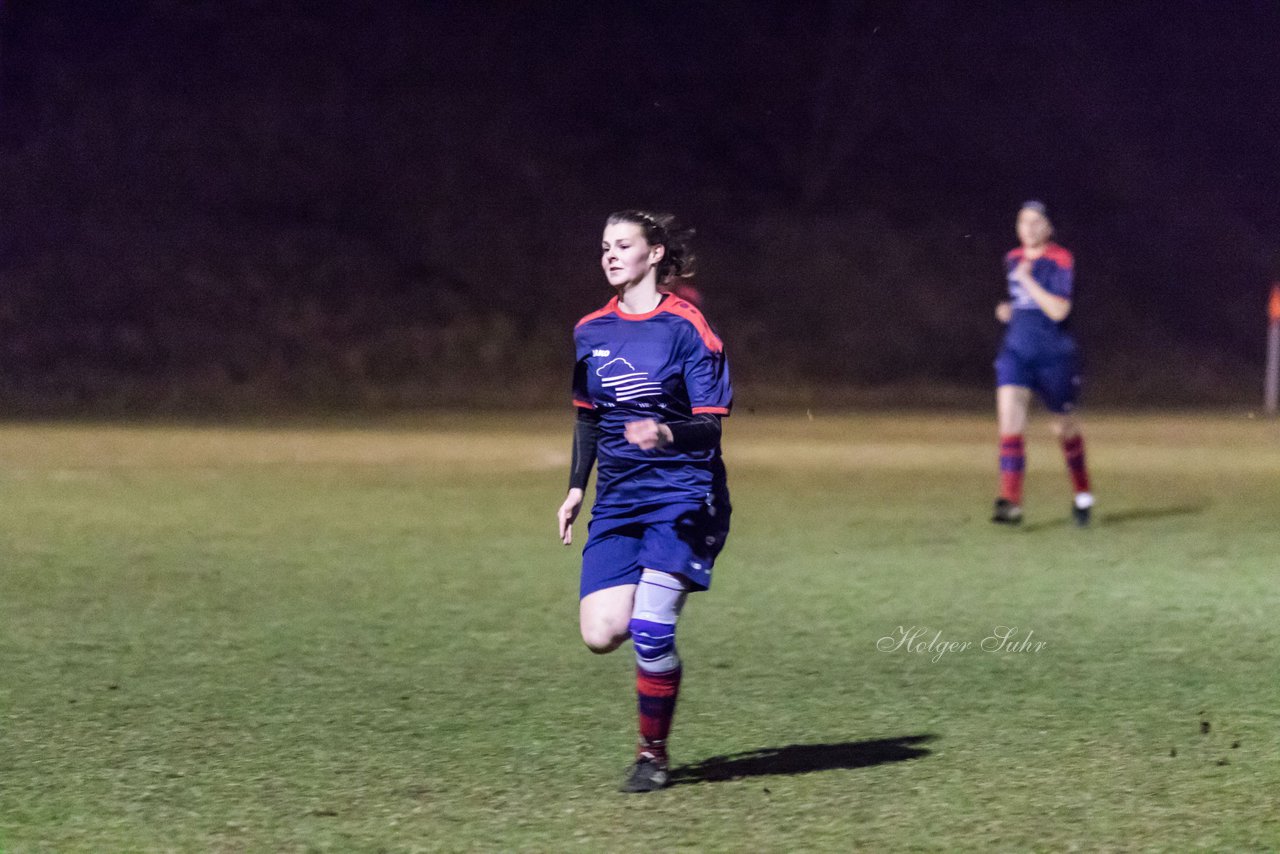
[
  {"x": 586, "y": 430},
  {"x": 699, "y": 433}
]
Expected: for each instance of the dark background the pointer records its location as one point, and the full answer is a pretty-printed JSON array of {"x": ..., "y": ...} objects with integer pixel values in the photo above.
[{"x": 255, "y": 206}]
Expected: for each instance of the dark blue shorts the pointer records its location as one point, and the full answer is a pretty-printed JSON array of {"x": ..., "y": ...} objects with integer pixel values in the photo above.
[
  {"x": 684, "y": 543},
  {"x": 1056, "y": 378}
]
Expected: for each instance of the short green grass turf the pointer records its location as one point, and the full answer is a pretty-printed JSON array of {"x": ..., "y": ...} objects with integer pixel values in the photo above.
[{"x": 363, "y": 637}]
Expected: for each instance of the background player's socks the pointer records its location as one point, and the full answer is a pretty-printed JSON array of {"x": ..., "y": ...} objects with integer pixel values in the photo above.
[
  {"x": 1073, "y": 450},
  {"x": 1013, "y": 462},
  {"x": 656, "y": 694}
]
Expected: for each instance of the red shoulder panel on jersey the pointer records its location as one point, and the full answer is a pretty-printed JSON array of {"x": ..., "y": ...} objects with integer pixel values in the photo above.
[
  {"x": 690, "y": 313},
  {"x": 1013, "y": 254},
  {"x": 600, "y": 312},
  {"x": 1059, "y": 256}
]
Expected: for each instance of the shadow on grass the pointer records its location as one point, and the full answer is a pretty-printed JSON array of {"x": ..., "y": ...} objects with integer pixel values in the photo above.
[
  {"x": 1139, "y": 514},
  {"x": 801, "y": 759},
  {"x": 1124, "y": 517}
]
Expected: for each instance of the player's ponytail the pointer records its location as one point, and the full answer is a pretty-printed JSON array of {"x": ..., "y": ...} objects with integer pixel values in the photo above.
[{"x": 678, "y": 261}]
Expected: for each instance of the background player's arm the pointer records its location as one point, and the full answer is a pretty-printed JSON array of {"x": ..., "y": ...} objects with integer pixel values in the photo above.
[{"x": 1056, "y": 308}]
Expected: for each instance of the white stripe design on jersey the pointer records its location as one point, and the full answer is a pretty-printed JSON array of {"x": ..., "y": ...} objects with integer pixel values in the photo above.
[{"x": 628, "y": 386}]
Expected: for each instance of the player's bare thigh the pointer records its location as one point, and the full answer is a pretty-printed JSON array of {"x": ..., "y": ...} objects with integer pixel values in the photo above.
[
  {"x": 604, "y": 615},
  {"x": 1066, "y": 427},
  {"x": 1011, "y": 408}
]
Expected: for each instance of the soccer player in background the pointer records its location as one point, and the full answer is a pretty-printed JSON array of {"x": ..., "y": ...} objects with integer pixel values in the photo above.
[
  {"x": 650, "y": 385},
  {"x": 1038, "y": 354}
]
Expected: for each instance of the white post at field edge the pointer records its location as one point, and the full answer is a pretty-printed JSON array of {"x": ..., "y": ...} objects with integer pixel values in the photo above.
[{"x": 1271, "y": 384}]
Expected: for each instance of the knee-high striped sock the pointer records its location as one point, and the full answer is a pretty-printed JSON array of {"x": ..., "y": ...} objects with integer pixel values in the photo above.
[
  {"x": 1073, "y": 450},
  {"x": 659, "y": 598},
  {"x": 1013, "y": 462},
  {"x": 656, "y": 694}
]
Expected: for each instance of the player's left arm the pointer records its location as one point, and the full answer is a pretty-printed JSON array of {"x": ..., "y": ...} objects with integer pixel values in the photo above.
[
  {"x": 706, "y": 378},
  {"x": 1055, "y": 307},
  {"x": 701, "y": 432}
]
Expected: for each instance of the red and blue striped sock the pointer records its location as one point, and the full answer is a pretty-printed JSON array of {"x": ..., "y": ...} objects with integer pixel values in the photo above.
[
  {"x": 1073, "y": 450},
  {"x": 1013, "y": 462},
  {"x": 656, "y": 695}
]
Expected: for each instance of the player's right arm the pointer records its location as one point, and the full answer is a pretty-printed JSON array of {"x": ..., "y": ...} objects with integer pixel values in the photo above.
[
  {"x": 567, "y": 513},
  {"x": 586, "y": 432}
]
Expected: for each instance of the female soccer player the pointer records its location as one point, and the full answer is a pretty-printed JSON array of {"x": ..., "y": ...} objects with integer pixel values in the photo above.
[
  {"x": 1039, "y": 354},
  {"x": 651, "y": 385}
]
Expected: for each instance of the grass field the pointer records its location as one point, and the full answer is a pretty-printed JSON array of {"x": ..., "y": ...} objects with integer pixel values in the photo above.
[{"x": 363, "y": 638}]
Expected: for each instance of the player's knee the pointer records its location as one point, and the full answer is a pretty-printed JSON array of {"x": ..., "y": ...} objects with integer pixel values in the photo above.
[
  {"x": 1012, "y": 423},
  {"x": 603, "y": 635},
  {"x": 655, "y": 645}
]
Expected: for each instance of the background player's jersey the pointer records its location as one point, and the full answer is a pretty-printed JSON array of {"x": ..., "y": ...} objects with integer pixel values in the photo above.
[
  {"x": 1031, "y": 332},
  {"x": 667, "y": 365}
]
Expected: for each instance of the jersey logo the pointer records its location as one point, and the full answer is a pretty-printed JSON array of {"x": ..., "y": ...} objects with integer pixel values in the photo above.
[
  {"x": 601, "y": 353},
  {"x": 621, "y": 377},
  {"x": 1018, "y": 294}
]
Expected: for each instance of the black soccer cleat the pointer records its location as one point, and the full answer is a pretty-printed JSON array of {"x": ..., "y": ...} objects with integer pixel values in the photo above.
[
  {"x": 1080, "y": 513},
  {"x": 1006, "y": 512},
  {"x": 647, "y": 775}
]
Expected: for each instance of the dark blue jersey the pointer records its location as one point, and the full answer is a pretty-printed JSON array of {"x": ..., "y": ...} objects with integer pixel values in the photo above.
[
  {"x": 667, "y": 365},
  {"x": 1031, "y": 332}
]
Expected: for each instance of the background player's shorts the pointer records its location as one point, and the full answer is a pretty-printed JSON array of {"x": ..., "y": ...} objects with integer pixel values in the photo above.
[
  {"x": 1056, "y": 378},
  {"x": 617, "y": 550}
]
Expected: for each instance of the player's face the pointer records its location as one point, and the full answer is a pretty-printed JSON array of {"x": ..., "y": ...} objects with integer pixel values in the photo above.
[
  {"x": 625, "y": 254},
  {"x": 1033, "y": 228}
]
